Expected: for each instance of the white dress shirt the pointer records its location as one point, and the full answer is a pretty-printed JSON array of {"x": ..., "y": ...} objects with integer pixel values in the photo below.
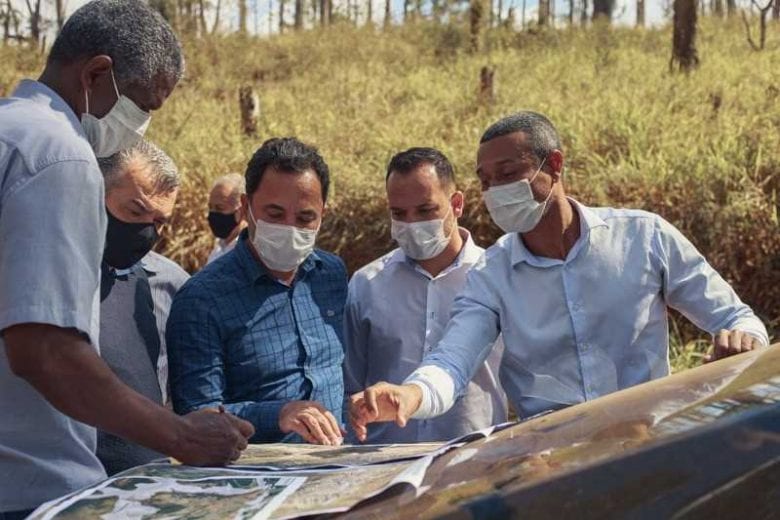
[
  {"x": 220, "y": 248},
  {"x": 580, "y": 328},
  {"x": 395, "y": 312}
]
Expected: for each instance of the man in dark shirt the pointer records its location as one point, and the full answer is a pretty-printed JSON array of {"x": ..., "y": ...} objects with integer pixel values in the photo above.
[
  {"x": 259, "y": 330},
  {"x": 137, "y": 285}
]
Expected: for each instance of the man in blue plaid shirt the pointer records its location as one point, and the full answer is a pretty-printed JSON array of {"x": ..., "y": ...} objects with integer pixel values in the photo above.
[{"x": 259, "y": 331}]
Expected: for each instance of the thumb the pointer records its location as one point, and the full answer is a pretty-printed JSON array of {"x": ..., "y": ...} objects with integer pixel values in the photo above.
[{"x": 245, "y": 427}]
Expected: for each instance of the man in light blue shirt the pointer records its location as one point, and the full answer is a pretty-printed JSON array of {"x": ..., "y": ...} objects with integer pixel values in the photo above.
[
  {"x": 579, "y": 294},
  {"x": 398, "y": 305},
  {"x": 112, "y": 63}
]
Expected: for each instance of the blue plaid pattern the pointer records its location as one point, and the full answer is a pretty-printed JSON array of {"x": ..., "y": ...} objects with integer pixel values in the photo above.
[{"x": 238, "y": 337}]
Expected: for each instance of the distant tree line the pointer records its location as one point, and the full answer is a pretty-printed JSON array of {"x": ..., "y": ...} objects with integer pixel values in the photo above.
[{"x": 28, "y": 23}]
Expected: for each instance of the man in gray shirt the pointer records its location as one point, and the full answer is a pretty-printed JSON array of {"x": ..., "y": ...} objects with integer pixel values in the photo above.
[
  {"x": 113, "y": 62},
  {"x": 137, "y": 285}
]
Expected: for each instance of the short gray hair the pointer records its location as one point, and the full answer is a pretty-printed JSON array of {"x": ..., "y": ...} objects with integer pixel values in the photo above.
[
  {"x": 542, "y": 135},
  {"x": 140, "y": 42},
  {"x": 165, "y": 174},
  {"x": 234, "y": 181}
]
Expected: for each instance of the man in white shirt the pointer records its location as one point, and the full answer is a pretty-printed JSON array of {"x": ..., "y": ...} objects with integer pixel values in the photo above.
[
  {"x": 226, "y": 218},
  {"x": 398, "y": 306},
  {"x": 579, "y": 294}
]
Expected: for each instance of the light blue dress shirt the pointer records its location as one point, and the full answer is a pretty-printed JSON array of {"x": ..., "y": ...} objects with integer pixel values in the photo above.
[
  {"x": 592, "y": 324},
  {"x": 396, "y": 311},
  {"x": 52, "y": 230}
]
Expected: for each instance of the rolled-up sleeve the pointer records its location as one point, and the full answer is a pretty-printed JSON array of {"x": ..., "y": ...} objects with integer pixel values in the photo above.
[
  {"x": 52, "y": 233},
  {"x": 695, "y": 289}
]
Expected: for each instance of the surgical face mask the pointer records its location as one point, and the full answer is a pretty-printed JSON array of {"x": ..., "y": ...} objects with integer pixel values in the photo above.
[
  {"x": 282, "y": 248},
  {"x": 512, "y": 206},
  {"x": 121, "y": 128},
  {"x": 127, "y": 243},
  {"x": 421, "y": 240},
  {"x": 222, "y": 224}
]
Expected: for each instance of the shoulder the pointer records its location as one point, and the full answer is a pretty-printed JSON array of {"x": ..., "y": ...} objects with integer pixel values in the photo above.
[
  {"x": 42, "y": 136},
  {"x": 626, "y": 216},
  {"x": 216, "y": 278},
  {"x": 330, "y": 262},
  {"x": 375, "y": 268},
  {"x": 166, "y": 269}
]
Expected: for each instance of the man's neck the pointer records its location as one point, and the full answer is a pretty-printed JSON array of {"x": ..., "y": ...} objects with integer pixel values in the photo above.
[
  {"x": 556, "y": 233},
  {"x": 443, "y": 260},
  {"x": 53, "y": 80},
  {"x": 234, "y": 234}
]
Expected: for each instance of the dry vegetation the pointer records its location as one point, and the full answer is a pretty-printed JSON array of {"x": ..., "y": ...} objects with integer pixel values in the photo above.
[{"x": 703, "y": 150}]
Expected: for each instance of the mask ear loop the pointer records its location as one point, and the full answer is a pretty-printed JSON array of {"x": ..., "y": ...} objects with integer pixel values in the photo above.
[
  {"x": 86, "y": 100},
  {"x": 113, "y": 80}
]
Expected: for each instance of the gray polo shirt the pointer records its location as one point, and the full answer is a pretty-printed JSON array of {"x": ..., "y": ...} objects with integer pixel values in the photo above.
[{"x": 52, "y": 229}]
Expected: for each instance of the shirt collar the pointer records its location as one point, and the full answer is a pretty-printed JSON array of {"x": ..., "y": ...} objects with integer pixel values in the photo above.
[
  {"x": 37, "y": 92},
  {"x": 255, "y": 270},
  {"x": 144, "y": 263},
  {"x": 589, "y": 219}
]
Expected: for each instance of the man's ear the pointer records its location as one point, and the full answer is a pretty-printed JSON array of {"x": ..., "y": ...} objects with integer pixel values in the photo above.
[
  {"x": 95, "y": 70},
  {"x": 458, "y": 202},
  {"x": 555, "y": 165}
]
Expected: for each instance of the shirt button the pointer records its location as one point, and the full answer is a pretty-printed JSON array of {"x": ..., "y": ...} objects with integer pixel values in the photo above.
[
  {"x": 583, "y": 346},
  {"x": 576, "y": 307}
]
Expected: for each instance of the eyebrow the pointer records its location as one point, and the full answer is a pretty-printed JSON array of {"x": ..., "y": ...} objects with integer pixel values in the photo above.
[{"x": 273, "y": 206}]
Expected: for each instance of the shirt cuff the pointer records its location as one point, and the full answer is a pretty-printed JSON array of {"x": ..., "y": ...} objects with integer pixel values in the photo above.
[{"x": 438, "y": 391}]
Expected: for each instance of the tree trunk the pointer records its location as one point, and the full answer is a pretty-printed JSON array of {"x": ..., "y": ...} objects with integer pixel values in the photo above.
[
  {"x": 522, "y": 16},
  {"x": 60, "y": 13},
  {"x": 249, "y": 105},
  {"x": 369, "y": 12},
  {"x": 35, "y": 21},
  {"x": 217, "y": 10},
  {"x": 298, "y": 15},
  {"x": 731, "y": 8},
  {"x": 684, "y": 37},
  {"x": 584, "y": 13},
  {"x": 640, "y": 13},
  {"x": 242, "y": 16},
  {"x": 406, "y": 10},
  {"x": 776, "y": 10},
  {"x": 544, "y": 12},
  {"x": 603, "y": 9},
  {"x": 571, "y": 13},
  {"x": 476, "y": 14},
  {"x": 388, "y": 13},
  {"x": 282, "y": 5},
  {"x": 500, "y": 12},
  {"x": 717, "y": 8},
  {"x": 487, "y": 94}
]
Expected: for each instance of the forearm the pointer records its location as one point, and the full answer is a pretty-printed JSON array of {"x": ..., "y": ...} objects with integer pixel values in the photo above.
[{"x": 68, "y": 372}]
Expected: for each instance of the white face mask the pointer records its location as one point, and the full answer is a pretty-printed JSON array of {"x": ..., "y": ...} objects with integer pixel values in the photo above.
[
  {"x": 121, "y": 128},
  {"x": 421, "y": 240},
  {"x": 282, "y": 248},
  {"x": 512, "y": 206}
]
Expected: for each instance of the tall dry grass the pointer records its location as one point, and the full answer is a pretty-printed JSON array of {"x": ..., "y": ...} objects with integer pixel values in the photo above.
[{"x": 703, "y": 150}]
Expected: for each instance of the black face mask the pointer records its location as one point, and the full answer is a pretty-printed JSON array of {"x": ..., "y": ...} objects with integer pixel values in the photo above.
[
  {"x": 127, "y": 243},
  {"x": 222, "y": 224}
]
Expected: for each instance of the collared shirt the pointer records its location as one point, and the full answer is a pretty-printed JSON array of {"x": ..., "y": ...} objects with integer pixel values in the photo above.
[
  {"x": 220, "y": 248},
  {"x": 396, "y": 311},
  {"x": 239, "y": 337},
  {"x": 52, "y": 229},
  {"x": 166, "y": 277},
  {"x": 583, "y": 327}
]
